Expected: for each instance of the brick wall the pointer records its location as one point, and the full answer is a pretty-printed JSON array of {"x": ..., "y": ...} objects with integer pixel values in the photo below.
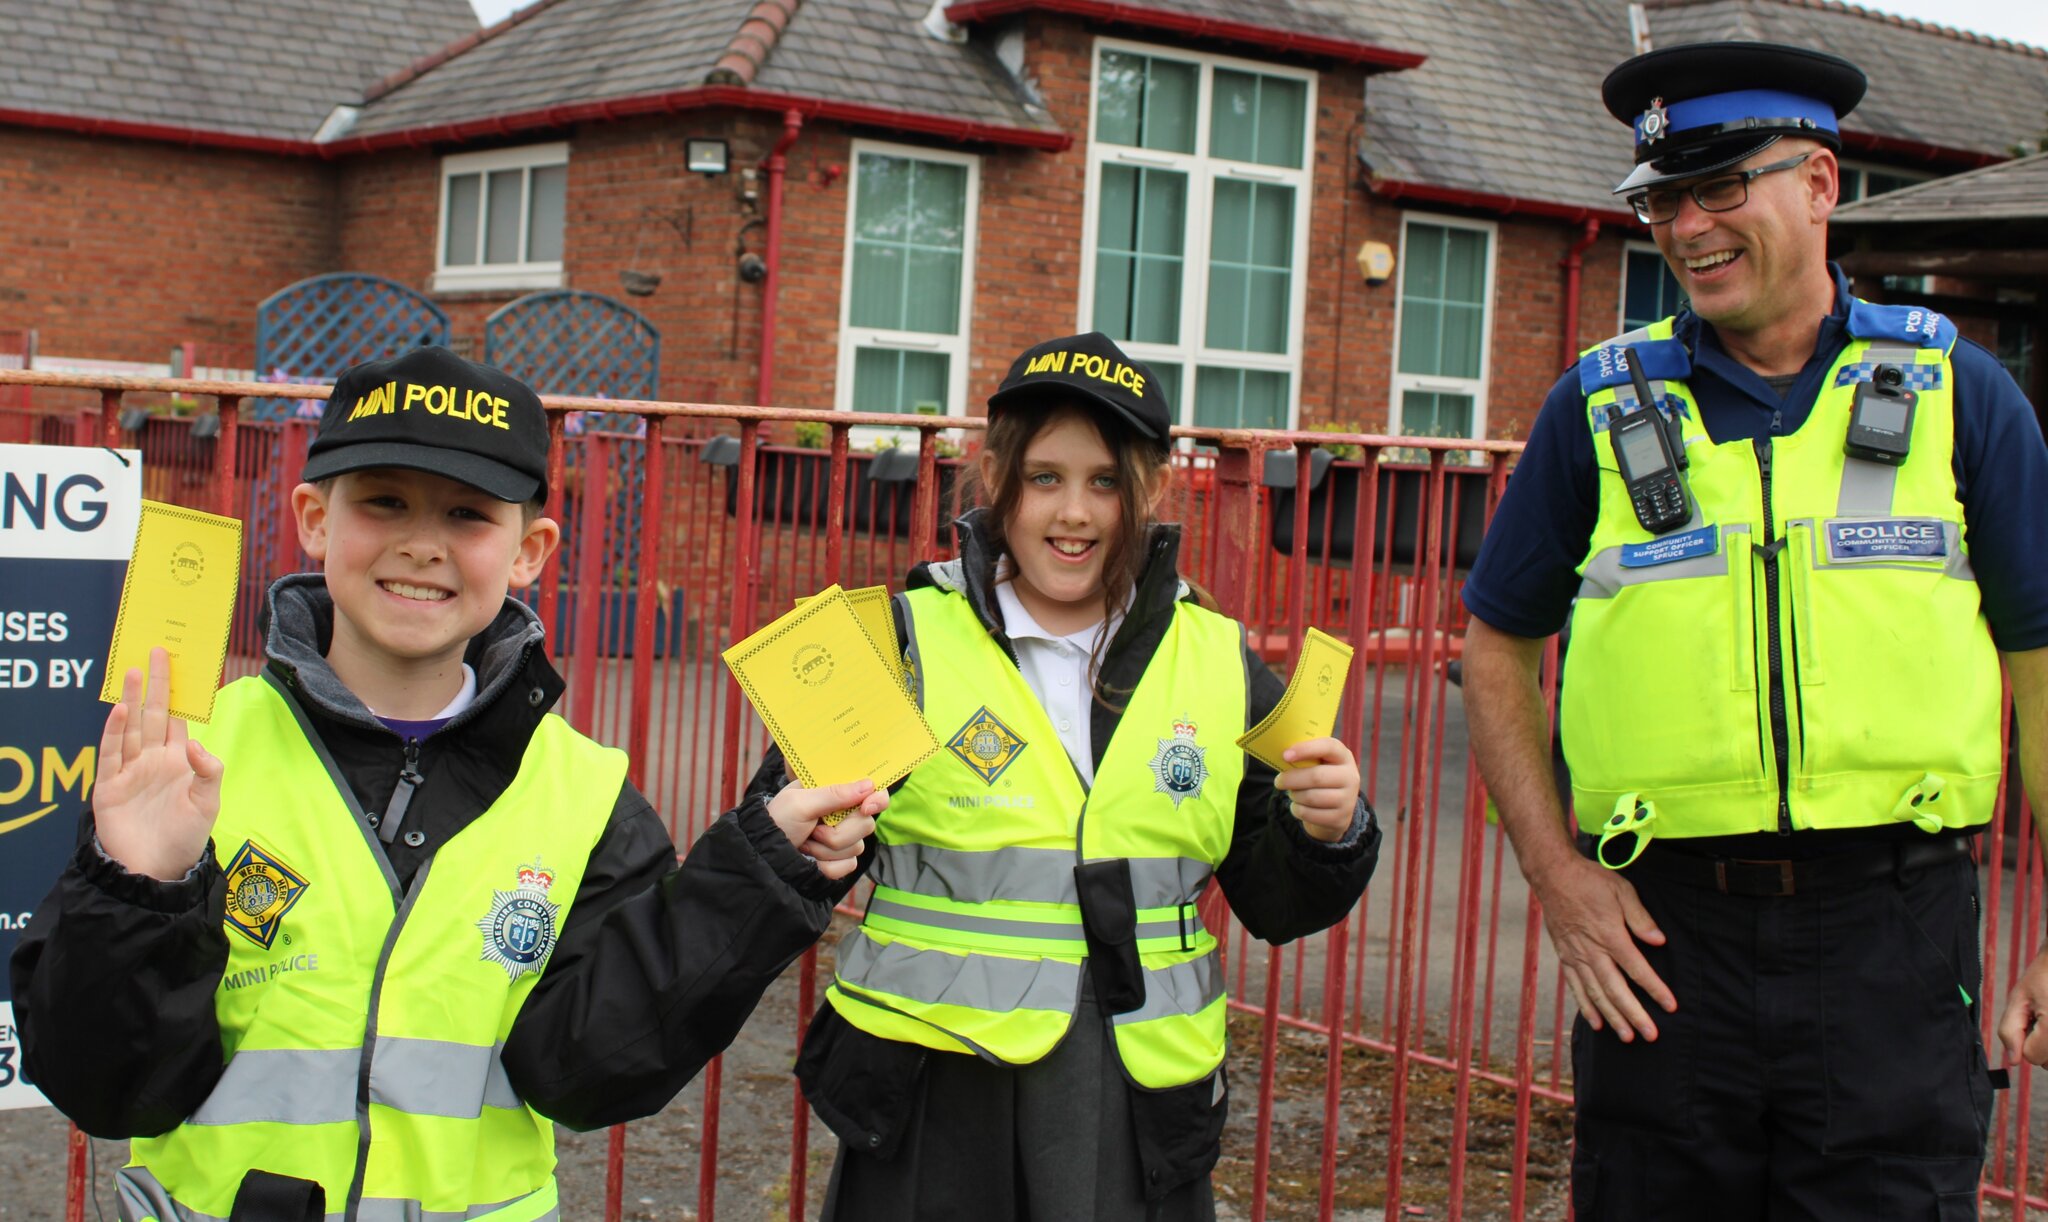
[{"x": 118, "y": 249}]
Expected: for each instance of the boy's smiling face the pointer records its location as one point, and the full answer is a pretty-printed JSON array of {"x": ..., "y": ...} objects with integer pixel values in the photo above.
[{"x": 417, "y": 563}]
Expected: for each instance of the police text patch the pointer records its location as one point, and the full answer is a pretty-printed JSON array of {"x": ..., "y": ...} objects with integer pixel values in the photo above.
[
  {"x": 1702, "y": 542},
  {"x": 1853, "y": 539}
]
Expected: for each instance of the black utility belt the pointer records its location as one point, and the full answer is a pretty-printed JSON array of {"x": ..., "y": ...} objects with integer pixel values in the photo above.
[{"x": 1835, "y": 871}]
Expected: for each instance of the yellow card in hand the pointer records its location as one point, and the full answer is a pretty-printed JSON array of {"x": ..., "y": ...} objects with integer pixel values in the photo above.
[
  {"x": 1308, "y": 708},
  {"x": 834, "y": 704},
  {"x": 871, "y": 604},
  {"x": 180, "y": 594}
]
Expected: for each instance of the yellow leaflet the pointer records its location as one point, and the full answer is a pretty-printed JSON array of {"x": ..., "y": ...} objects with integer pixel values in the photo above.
[
  {"x": 1308, "y": 708},
  {"x": 833, "y": 701},
  {"x": 180, "y": 594},
  {"x": 871, "y": 605}
]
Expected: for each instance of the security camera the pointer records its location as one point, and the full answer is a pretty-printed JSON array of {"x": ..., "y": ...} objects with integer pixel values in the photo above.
[{"x": 753, "y": 268}]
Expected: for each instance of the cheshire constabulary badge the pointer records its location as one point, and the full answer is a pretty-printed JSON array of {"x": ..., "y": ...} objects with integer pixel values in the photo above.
[
  {"x": 1655, "y": 123},
  {"x": 986, "y": 745},
  {"x": 520, "y": 930},
  {"x": 1179, "y": 767},
  {"x": 261, "y": 889}
]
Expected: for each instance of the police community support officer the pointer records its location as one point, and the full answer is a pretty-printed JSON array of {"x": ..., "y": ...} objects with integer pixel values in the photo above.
[{"x": 1781, "y": 712}]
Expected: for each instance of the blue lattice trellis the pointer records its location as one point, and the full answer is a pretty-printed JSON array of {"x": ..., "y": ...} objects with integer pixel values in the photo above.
[
  {"x": 312, "y": 330},
  {"x": 567, "y": 342}
]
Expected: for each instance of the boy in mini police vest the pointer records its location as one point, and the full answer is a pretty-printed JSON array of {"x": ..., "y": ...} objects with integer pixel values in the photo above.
[
  {"x": 353, "y": 957},
  {"x": 1029, "y": 1022}
]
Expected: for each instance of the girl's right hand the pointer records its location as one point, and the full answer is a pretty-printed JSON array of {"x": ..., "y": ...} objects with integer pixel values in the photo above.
[
  {"x": 157, "y": 791},
  {"x": 834, "y": 847}
]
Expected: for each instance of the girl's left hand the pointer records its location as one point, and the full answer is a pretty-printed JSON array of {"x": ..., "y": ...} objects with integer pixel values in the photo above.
[{"x": 1322, "y": 787}]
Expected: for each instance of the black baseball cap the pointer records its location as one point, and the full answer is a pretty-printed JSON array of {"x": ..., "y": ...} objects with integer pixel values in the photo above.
[
  {"x": 430, "y": 410},
  {"x": 1703, "y": 107},
  {"x": 1092, "y": 370}
]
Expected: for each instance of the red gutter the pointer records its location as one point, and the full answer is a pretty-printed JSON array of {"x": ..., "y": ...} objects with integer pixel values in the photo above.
[
  {"x": 1343, "y": 50},
  {"x": 792, "y": 124},
  {"x": 1572, "y": 263},
  {"x": 1901, "y": 147},
  {"x": 737, "y": 97},
  {"x": 1502, "y": 205}
]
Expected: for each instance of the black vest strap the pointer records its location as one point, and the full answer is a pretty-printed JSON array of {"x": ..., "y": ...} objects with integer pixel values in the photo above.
[{"x": 266, "y": 1196}]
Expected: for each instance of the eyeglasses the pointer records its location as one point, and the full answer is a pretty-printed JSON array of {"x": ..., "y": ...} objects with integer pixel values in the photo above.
[{"x": 1725, "y": 193}]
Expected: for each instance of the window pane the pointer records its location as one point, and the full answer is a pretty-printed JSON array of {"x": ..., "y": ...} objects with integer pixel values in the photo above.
[
  {"x": 1234, "y": 115},
  {"x": 888, "y": 380},
  {"x": 1240, "y": 398},
  {"x": 465, "y": 192},
  {"x": 1443, "y": 301},
  {"x": 1877, "y": 184},
  {"x": 1146, "y": 102},
  {"x": 1422, "y": 325},
  {"x": 1649, "y": 291},
  {"x": 1141, "y": 233},
  {"x": 1250, "y": 240},
  {"x": 1283, "y": 105},
  {"x": 1460, "y": 357},
  {"x": 1423, "y": 277},
  {"x": 1852, "y": 186},
  {"x": 501, "y": 233},
  {"x": 1424, "y": 414},
  {"x": 910, "y": 232},
  {"x": 1464, "y": 265},
  {"x": 550, "y": 205},
  {"x": 1166, "y": 377},
  {"x": 1267, "y": 311}
]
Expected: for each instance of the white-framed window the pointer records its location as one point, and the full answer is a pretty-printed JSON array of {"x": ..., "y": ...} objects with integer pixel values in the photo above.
[
  {"x": 502, "y": 216},
  {"x": 1443, "y": 326},
  {"x": 908, "y": 288},
  {"x": 1649, "y": 291},
  {"x": 1863, "y": 179},
  {"x": 1196, "y": 228}
]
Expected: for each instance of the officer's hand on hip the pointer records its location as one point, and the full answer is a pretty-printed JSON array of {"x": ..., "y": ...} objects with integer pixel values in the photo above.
[
  {"x": 835, "y": 847},
  {"x": 2021, "y": 1028},
  {"x": 1595, "y": 920},
  {"x": 157, "y": 791},
  {"x": 1322, "y": 790}
]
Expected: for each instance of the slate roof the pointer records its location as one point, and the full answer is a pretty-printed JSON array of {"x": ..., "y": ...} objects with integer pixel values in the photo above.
[
  {"x": 570, "y": 52},
  {"x": 271, "y": 69},
  {"x": 1928, "y": 84},
  {"x": 2012, "y": 190},
  {"x": 1508, "y": 103}
]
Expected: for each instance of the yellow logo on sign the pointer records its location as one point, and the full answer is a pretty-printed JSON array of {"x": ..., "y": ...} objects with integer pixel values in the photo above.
[{"x": 21, "y": 774}]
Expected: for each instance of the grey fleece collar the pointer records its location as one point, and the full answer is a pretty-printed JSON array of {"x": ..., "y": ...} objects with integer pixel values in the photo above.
[{"x": 302, "y": 615}]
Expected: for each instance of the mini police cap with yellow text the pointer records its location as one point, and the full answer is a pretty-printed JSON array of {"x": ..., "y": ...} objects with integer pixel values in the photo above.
[
  {"x": 430, "y": 410},
  {"x": 1092, "y": 371}
]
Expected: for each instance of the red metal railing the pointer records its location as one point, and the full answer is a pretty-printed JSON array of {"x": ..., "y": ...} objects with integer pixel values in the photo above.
[{"x": 682, "y": 536}]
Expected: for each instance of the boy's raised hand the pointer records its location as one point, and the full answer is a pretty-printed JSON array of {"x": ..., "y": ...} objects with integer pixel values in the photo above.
[
  {"x": 1322, "y": 787},
  {"x": 157, "y": 791},
  {"x": 836, "y": 848}
]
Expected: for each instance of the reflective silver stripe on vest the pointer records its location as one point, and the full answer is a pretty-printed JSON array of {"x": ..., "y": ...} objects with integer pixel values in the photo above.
[
  {"x": 298, "y": 1086},
  {"x": 1605, "y": 577},
  {"x": 1181, "y": 989},
  {"x": 977, "y": 982},
  {"x": 998, "y": 984},
  {"x": 142, "y": 1196},
  {"x": 1066, "y": 931},
  {"x": 1031, "y": 875},
  {"x": 1867, "y": 486}
]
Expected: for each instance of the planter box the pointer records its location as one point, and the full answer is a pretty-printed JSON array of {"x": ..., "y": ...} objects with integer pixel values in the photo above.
[
  {"x": 615, "y": 613},
  {"x": 1401, "y": 492},
  {"x": 794, "y": 487}
]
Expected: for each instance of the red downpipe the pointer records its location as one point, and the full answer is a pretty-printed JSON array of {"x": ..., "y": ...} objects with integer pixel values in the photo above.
[
  {"x": 1572, "y": 263},
  {"x": 792, "y": 123}
]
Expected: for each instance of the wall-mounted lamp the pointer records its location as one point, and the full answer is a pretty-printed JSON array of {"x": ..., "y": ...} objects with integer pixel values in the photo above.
[
  {"x": 705, "y": 156},
  {"x": 1376, "y": 262}
]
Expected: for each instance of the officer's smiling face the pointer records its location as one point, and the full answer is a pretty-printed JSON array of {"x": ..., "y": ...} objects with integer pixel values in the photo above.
[
  {"x": 1756, "y": 265},
  {"x": 417, "y": 563}
]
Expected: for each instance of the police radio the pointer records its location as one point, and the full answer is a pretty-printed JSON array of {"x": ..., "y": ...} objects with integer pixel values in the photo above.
[
  {"x": 1881, "y": 418},
  {"x": 1650, "y": 461}
]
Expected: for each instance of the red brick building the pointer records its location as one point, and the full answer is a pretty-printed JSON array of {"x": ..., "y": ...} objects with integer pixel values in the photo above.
[{"x": 1205, "y": 181}]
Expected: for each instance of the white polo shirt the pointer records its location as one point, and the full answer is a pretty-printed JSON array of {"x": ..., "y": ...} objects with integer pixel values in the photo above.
[{"x": 1056, "y": 669}]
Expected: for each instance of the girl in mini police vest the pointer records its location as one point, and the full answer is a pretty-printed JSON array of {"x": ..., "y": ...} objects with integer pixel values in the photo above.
[{"x": 1029, "y": 1022}]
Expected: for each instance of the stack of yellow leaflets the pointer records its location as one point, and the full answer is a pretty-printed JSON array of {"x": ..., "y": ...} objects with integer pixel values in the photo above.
[
  {"x": 871, "y": 604},
  {"x": 835, "y": 704},
  {"x": 180, "y": 594},
  {"x": 1308, "y": 708}
]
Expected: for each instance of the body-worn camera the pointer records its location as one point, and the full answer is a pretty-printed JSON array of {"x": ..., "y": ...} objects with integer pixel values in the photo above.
[{"x": 1881, "y": 418}]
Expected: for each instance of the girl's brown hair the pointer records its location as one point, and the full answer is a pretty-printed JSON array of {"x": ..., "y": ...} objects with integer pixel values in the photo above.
[{"x": 1138, "y": 461}]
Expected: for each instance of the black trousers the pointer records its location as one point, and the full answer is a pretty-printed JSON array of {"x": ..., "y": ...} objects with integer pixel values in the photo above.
[{"x": 1824, "y": 1063}]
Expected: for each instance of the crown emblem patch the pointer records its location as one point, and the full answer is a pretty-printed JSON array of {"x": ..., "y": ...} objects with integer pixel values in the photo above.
[
  {"x": 1179, "y": 766},
  {"x": 520, "y": 930},
  {"x": 261, "y": 889},
  {"x": 986, "y": 745}
]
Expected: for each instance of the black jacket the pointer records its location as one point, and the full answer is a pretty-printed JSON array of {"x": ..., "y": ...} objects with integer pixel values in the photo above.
[
  {"x": 1282, "y": 884},
  {"x": 657, "y": 967}
]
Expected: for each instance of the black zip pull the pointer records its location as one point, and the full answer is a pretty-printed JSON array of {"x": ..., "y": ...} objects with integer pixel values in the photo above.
[{"x": 409, "y": 779}]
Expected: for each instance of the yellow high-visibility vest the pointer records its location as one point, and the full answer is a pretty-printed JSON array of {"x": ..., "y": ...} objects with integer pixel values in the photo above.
[
  {"x": 362, "y": 1028},
  {"x": 1887, "y": 684},
  {"x": 973, "y": 941}
]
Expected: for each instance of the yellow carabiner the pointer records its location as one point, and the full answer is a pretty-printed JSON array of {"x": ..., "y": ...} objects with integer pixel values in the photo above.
[
  {"x": 1912, "y": 804},
  {"x": 1632, "y": 817}
]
